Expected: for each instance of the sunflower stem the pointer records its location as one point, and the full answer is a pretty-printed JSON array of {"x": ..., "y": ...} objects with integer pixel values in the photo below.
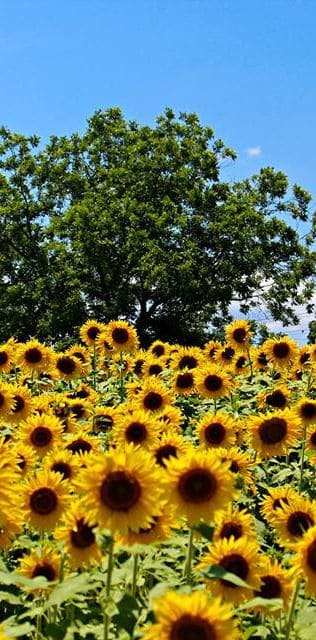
[
  {"x": 290, "y": 619},
  {"x": 94, "y": 371},
  {"x": 250, "y": 362},
  {"x": 302, "y": 460},
  {"x": 134, "y": 576},
  {"x": 106, "y": 617},
  {"x": 215, "y": 406},
  {"x": 187, "y": 573},
  {"x": 121, "y": 377}
]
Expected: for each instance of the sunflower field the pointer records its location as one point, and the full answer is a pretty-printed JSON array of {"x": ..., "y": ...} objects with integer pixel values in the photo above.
[{"x": 159, "y": 494}]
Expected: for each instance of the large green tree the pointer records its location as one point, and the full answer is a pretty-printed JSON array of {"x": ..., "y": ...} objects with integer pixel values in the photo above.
[{"x": 134, "y": 221}]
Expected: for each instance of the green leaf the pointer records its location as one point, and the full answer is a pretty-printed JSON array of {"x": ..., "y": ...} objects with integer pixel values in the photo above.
[
  {"x": 68, "y": 589},
  {"x": 205, "y": 530},
  {"x": 269, "y": 603},
  {"x": 216, "y": 572}
]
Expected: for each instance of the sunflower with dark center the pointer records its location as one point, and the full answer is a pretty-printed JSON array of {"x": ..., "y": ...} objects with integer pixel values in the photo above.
[
  {"x": 281, "y": 351},
  {"x": 159, "y": 349},
  {"x": 216, "y": 430},
  {"x": 136, "y": 427},
  {"x": 159, "y": 530},
  {"x": 6, "y": 357},
  {"x": 90, "y": 331},
  {"x": 304, "y": 564},
  {"x": 186, "y": 358},
  {"x": 42, "y": 432},
  {"x": 234, "y": 523},
  {"x": 240, "y": 557},
  {"x": 259, "y": 359},
  {"x": 121, "y": 489},
  {"x": 293, "y": 520},
  {"x": 272, "y": 434},
  {"x": 210, "y": 349},
  {"x": 171, "y": 445},
  {"x": 275, "y": 499},
  {"x": 153, "y": 396},
  {"x": 183, "y": 383},
  {"x": 153, "y": 367},
  {"x": 224, "y": 356},
  {"x": 26, "y": 457},
  {"x": 78, "y": 534},
  {"x": 63, "y": 462},
  {"x": 240, "y": 463},
  {"x": 45, "y": 497},
  {"x": 80, "y": 443},
  {"x": 275, "y": 582},
  {"x": 184, "y": 616},
  {"x": 41, "y": 562},
  {"x": 68, "y": 367},
  {"x": 306, "y": 410},
  {"x": 7, "y": 402},
  {"x": 121, "y": 336},
  {"x": 199, "y": 484},
  {"x": 23, "y": 404},
  {"x": 33, "y": 356},
  {"x": 213, "y": 382},
  {"x": 238, "y": 334},
  {"x": 276, "y": 398}
]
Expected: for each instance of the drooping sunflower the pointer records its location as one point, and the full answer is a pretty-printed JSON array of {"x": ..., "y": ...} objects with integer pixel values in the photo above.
[
  {"x": 210, "y": 348},
  {"x": 304, "y": 564},
  {"x": 44, "y": 499},
  {"x": 281, "y": 351},
  {"x": 153, "y": 397},
  {"x": 136, "y": 427},
  {"x": 42, "y": 561},
  {"x": 276, "y": 398},
  {"x": 183, "y": 382},
  {"x": 234, "y": 523},
  {"x": 213, "y": 381},
  {"x": 216, "y": 430},
  {"x": 306, "y": 410},
  {"x": 159, "y": 530},
  {"x": 199, "y": 483},
  {"x": 121, "y": 490},
  {"x": 275, "y": 499},
  {"x": 7, "y": 402},
  {"x": 238, "y": 334},
  {"x": 275, "y": 582},
  {"x": 272, "y": 434},
  {"x": 90, "y": 331},
  {"x": 33, "y": 356},
  {"x": 68, "y": 366},
  {"x": 171, "y": 444},
  {"x": 240, "y": 557},
  {"x": 184, "y": 616},
  {"x": 6, "y": 357},
  {"x": 122, "y": 336},
  {"x": 294, "y": 519},
  {"x": 63, "y": 462},
  {"x": 77, "y": 533},
  {"x": 42, "y": 432}
]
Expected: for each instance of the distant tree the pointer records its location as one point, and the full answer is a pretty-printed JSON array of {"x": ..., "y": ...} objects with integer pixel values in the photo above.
[
  {"x": 134, "y": 221},
  {"x": 311, "y": 338}
]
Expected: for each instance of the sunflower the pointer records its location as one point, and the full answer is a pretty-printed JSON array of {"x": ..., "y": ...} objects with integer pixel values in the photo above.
[
  {"x": 136, "y": 427},
  {"x": 153, "y": 366},
  {"x": 77, "y": 533},
  {"x": 68, "y": 367},
  {"x": 23, "y": 404},
  {"x": 234, "y": 523},
  {"x": 241, "y": 365},
  {"x": 33, "y": 356},
  {"x": 281, "y": 351},
  {"x": 10, "y": 526},
  {"x": 26, "y": 457},
  {"x": 171, "y": 418},
  {"x": 186, "y": 358},
  {"x": 306, "y": 410},
  {"x": 121, "y": 490},
  {"x": 42, "y": 432},
  {"x": 42, "y": 561},
  {"x": 239, "y": 463},
  {"x": 90, "y": 331},
  {"x": 159, "y": 530},
  {"x": 138, "y": 363},
  {"x": 216, "y": 430},
  {"x": 272, "y": 434},
  {"x": 81, "y": 353},
  {"x": 210, "y": 348},
  {"x": 311, "y": 439},
  {"x": 213, "y": 382},
  {"x": 104, "y": 419},
  {"x": 275, "y": 582},
  {"x": 259, "y": 359},
  {"x": 171, "y": 445},
  {"x": 7, "y": 402},
  {"x": 63, "y": 462},
  {"x": 304, "y": 360},
  {"x": 275, "y": 398},
  {"x": 80, "y": 442},
  {"x": 45, "y": 497},
  {"x": 159, "y": 349},
  {"x": 238, "y": 334},
  {"x": 121, "y": 336},
  {"x": 183, "y": 383},
  {"x": 199, "y": 484},
  {"x": 304, "y": 563},
  {"x": 9, "y": 479},
  {"x": 294, "y": 519},
  {"x": 6, "y": 357},
  {"x": 225, "y": 355},
  {"x": 276, "y": 499},
  {"x": 191, "y": 616},
  {"x": 240, "y": 557},
  {"x": 153, "y": 396}
]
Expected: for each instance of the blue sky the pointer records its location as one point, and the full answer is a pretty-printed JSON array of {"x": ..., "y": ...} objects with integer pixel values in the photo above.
[{"x": 247, "y": 67}]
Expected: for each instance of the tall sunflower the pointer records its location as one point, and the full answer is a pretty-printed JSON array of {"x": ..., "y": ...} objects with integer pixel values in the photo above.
[
  {"x": 199, "y": 484},
  {"x": 272, "y": 434},
  {"x": 281, "y": 351},
  {"x": 42, "y": 432},
  {"x": 159, "y": 349},
  {"x": 216, "y": 430},
  {"x": 238, "y": 334},
  {"x": 186, "y": 358},
  {"x": 122, "y": 336},
  {"x": 45, "y": 497},
  {"x": 213, "y": 381},
  {"x": 306, "y": 410},
  {"x": 77, "y": 533},
  {"x": 184, "y": 616},
  {"x": 90, "y": 331},
  {"x": 121, "y": 490},
  {"x": 33, "y": 356}
]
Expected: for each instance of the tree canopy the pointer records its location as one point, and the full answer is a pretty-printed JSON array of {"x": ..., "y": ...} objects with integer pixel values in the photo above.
[{"x": 133, "y": 221}]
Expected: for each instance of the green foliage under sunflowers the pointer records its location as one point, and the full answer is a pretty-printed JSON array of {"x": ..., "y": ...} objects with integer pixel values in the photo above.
[{"x": 167, "y": 493}]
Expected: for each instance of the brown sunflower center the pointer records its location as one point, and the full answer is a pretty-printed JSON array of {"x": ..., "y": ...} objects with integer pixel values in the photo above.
[
  {"x": 43, "y": 501},
  {"x": 2, "y": 399},
  {"x": 270, "y": 587},
  {"x": 93, "y": 332},
  {"x": 83, "y": 536},
  {"x": 3, "y": 357},
  {"x": 45, "y": 570},
  {"x": 311, "y": 556},
  {"x": 212, "y": 382},
  {"x": 234, "y": 466},
  {"x": 120, "y": 335},
  {"x": 79, "y": 446},
  {"x": 240, "y": 335},
  {"x": 276, "y": 399},
  {"x": 278, "y": 503},
  {"x": 228, "y": 353},
  {"x": 298, "y": 522},
  {"x": 66, "y": 365},
  {"x": 231, "y": 529},
  {"x": 165, "y": 452},
  {"x": 313, "y": 438},
  {"x": 41, "y": 436},
  {"x": 241, "y": 362},
  {"x": 192, "y": 627},
  {"x": 197, "y": 485},
  {"x": 185, "y": 381},
  {"x": 120, "y": 491},
  {"x": 155, "y": 369},
  {"x": 281, "y": 350},
  {"x": 262, "y": 359},
  {"x": 138, "y": 366},
  {"x": 188, "y": 362},
  {"x": 19, "y": 404},
  {"x": 304, "y": 357},
  {"x": 158, "y": 350},
  {"x": 215, "y": 433},
  {"x": 79, "y": 355},
  {"x": 308, "y": 410},
  {"x": 273, "y": 430},
  {"x": 78, "y": 410},
  {"x": 33, "y": 355},
  {"x": 153, "y": 401},
  {"x": 63, "y": 468},
  {"x": 22, "y": 462},
  {"x": 237, "y": 564},
  {"x": 136, "y": 432}
]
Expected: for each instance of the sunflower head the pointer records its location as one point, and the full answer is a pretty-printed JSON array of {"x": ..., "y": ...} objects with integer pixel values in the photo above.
[
  {"x": 213, "y": 381},
  {"x": 216, "y": 430},
  {"x": 281, "y": 351},
  {"x": 238, "y": 334},
  {"x": 89, "y": 332},
  {"x": 45, "y": 497},
  {"x": 41, "y": 562},
  {"x": 121, "y": 336},
  {"x": 271, "y": 434}
]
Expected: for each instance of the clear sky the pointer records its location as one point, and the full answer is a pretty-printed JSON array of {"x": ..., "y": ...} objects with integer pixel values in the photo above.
[{"x": 247, "y": 67}]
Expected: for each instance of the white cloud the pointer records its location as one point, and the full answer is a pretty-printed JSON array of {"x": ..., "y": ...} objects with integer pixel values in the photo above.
[{"x": 253, "y": 152}]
